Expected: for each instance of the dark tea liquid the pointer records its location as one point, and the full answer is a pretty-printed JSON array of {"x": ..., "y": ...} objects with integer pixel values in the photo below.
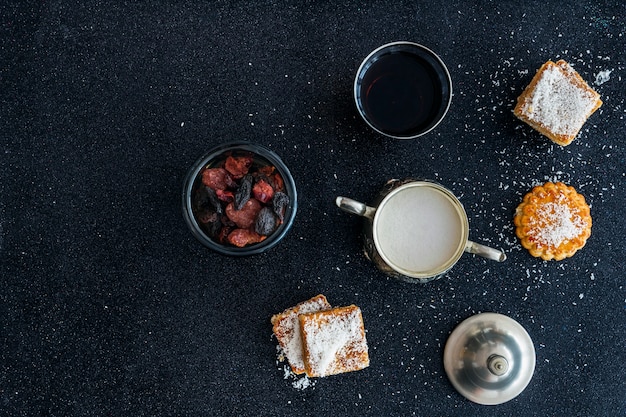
[{"x": 401, "y": 94}]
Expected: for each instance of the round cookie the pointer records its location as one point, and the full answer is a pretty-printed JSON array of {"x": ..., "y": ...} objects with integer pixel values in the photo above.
[{"x": 553, "y": 221}]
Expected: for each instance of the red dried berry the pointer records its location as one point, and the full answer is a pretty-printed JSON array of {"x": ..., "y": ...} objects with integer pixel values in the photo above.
[
  {"x": 245, "y": 217},
  {"x": 262, "y": 191},
  {"x": 217, "y": 179},
  {"x": 277, "y": 182},
  {"x": 266, "y": 170},
  {"x": 238, "y": 166},
  {"x": 226, "y": 196},
  {"x": 244, "y": 237}
]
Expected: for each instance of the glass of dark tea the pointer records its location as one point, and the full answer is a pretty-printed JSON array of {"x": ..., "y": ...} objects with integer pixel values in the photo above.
[{"x": 403, "y": 90}]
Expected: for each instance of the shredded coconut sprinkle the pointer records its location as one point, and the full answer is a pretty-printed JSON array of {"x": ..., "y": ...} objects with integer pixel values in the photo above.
[
  {"x": 560, "y": 105},
  {"x": 602, "y": 77},
  {"x": 335, "y": 341},
  {"x": 287, "y": 329},
  {"x": 556, "y": 223}
]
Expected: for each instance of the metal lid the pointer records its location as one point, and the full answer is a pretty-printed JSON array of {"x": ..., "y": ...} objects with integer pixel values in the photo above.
[{"x": 489, "y": 358}]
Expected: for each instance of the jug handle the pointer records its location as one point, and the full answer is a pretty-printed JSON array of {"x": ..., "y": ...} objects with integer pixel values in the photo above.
[
  {"x": 355, "y": 207},
  {"x": 485, "y": 251}
]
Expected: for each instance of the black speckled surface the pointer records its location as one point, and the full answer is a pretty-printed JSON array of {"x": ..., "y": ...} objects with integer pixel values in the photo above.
[{"x": 108, "y": 306}]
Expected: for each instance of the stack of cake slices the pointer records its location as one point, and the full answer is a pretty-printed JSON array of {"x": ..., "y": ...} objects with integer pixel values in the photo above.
[{"x": 320, "y": 340}]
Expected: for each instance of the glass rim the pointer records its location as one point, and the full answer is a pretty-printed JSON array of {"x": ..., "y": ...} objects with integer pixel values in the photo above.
[{"x": 442, "y": 70}]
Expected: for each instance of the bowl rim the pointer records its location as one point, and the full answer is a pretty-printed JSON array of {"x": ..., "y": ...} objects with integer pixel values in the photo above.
[{"x": 264, "y": 153}]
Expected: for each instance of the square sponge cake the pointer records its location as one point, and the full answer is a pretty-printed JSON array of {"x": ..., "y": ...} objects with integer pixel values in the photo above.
[
  {"x": 557, "y": 102},
  {"x": 286, "y": 327},
  {"x": 334, "y": 341}
]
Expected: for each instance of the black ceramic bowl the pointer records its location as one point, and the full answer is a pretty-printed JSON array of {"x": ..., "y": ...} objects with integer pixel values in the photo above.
[{"x": 215, "y": 158}]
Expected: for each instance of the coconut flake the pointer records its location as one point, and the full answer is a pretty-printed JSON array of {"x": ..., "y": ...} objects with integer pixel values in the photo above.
[
  {"x": 556, "y": 223},
  {"x": 287, "y": 326},
  {"x": 560, "y": 105},
  {"x": 602, "y": 77},
  {"x": 335, "y": 341}
]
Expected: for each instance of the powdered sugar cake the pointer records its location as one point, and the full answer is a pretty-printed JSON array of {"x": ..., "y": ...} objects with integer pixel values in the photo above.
[
  {"x": 553, "y": 221},
  {"x": 286, "y": 327},
  {"x": 334, "y": 341},
  {"x": 557, "y": 102}
]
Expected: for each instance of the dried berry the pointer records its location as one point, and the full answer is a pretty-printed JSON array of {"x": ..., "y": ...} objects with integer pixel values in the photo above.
[
  {"x": 222, "y": 237},
  {"x": 214, "y": 200},
  {"x": 266, "y": 222},
  {"x": 279, "y": 204},
  {"x": 226, "y": 196},
  {"x": 262, "y": 191},
  {"x": 206, "y": 215},
  {"x": 244, "y": 237},
  {"x": 266, "y": 170},
  {"x": 228, "y": 222},
  {"x": 217, "y": 179},
  {"x": 238, "y": 166},
  {"x": 245, "y": 217},
  {"x": 200, "y": 199},
  {"x": 211, "y": 222},
  {"x": 242, "y": 195},
  {"x": 277, "y": 182}
]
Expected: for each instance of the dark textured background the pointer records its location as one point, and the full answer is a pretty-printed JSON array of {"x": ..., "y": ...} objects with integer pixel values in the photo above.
[{"x": 108, "y": 306}]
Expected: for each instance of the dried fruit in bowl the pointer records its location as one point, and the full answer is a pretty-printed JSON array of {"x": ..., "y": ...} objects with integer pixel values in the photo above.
[{"x": 239, "y": 201}]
